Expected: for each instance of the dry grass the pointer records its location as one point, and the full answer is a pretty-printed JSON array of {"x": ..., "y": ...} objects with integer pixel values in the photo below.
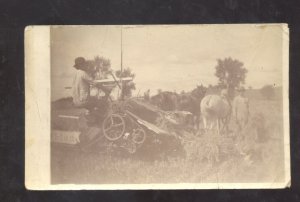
[{"x": 209, "y": 158}]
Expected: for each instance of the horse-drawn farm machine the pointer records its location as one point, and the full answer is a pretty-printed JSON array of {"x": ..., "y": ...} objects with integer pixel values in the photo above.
[{"x": 125, "y": 125}]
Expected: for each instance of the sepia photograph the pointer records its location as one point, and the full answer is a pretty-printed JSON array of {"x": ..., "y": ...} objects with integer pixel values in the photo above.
[{"x": 157, "y": 106}]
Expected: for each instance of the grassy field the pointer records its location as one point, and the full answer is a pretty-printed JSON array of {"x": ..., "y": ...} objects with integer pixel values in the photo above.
[{"x": 208, "y": 157}]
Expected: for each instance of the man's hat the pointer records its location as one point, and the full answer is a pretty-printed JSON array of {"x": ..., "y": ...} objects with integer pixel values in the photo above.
[{"x": 79, "y": 62}]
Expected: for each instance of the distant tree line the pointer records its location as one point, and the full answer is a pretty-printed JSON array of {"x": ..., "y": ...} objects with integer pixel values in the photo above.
[{"x": 268, "y": 92}]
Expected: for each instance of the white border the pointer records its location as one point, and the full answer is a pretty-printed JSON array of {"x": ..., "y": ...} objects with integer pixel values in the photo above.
[
  {"x": 286, "y": 108},
  {"x": 37, "y": 106},
  {"x": 37, "y": 121}
]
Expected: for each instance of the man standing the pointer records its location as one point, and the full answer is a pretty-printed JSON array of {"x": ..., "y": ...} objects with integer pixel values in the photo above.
[
  {"x": 241, "y": 109},
  {"x": 147, "y": 95}
]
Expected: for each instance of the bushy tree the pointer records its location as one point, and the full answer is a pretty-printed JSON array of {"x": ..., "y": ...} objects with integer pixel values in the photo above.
[
  {"x": 231, "y": 74},
  {"x": 98, "y": 67},
  {"x": 267, "y": 91},
  {"x": 102, "y": 63},
  {"x": 127, "y": 87}
]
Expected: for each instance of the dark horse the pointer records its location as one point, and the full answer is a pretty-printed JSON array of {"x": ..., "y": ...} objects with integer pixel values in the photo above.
[
  {"x": 190, "y": 102},
  {"x": 170, "y": 101},
  {"x": 167, "y": 101}
]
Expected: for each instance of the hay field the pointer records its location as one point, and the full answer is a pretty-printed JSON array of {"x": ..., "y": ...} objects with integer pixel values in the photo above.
[{"x": 208, "y": 157}]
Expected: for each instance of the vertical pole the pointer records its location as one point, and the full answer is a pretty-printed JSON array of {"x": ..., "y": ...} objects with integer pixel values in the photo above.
[{"x": 121, "y": 83}]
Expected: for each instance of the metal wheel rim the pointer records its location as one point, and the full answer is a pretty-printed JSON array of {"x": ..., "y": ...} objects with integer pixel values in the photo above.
[
  {"x": 111, "y": 121},
  {"x": 136, "y": 134}
]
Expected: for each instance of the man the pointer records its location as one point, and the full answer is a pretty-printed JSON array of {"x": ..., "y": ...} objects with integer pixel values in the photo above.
[
  {"x": 81, "y": 85},
  {"x": 82, "y": 98},
  {"x": 147, "y": 95},
  {"x": 224, "y": 96},
  {"x": 241, "y": 109}
]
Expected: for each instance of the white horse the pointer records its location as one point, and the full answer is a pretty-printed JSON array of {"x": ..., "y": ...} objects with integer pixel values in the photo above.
[{"x": 215, "y": 110}]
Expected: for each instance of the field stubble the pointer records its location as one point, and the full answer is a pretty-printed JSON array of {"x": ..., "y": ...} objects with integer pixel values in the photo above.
[{"x": 209, "y": 158}]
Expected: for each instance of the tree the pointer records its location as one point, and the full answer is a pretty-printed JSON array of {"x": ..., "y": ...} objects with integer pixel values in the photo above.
[
  {"x": 267, "y": 91},
  {"x": 127, "y": 87},
  {"x": 231, "y": 74},
  {"x": 98, "y": 67},
  {"x": 102, "y": 63}
]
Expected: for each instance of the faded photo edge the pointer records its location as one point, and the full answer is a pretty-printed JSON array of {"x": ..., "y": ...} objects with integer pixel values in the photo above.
[{"x": 37, "y": 122}]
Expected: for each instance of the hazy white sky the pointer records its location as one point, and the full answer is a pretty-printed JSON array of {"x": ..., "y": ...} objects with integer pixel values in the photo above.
[{"x": 170, "y": 57}]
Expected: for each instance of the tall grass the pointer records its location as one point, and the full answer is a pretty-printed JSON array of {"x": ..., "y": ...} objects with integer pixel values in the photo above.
[{"x": 209, "y": 158}]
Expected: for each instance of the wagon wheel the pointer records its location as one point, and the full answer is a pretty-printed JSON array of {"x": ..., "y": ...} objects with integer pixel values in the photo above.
[
  {"x": 113, "y": 127},
  {"x": 138, "y": 136}
]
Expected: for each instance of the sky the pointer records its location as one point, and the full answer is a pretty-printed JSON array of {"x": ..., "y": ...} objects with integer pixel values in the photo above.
[{"x": 172, "y": 58}]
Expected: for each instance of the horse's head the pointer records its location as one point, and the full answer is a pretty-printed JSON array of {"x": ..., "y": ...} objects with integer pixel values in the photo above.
[
  {"x": 224, "y": 93},
  {"x": 199, "y": 92}
]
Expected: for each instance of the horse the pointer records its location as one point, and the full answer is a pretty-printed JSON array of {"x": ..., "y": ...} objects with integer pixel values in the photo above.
[
  {"x": 190, "y": 102},
  {"x": 171, "y": 101},
  {"x": 215, "y": 110},
  {"x": 165, "y": 100}
]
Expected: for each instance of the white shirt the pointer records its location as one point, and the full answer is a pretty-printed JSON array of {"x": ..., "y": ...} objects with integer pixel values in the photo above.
[{"x": 81, "y": 87}]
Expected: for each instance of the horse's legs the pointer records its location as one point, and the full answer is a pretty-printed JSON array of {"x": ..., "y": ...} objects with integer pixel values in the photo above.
[
  {"x": 211, "y": 125},
  {"x": 197, "y": 120},
  {"x": 204, "y": 123},
  {"x": 218, "y": 126},
  {"x": 194, "y": 123},
  {"x": 223, "y": 125}
]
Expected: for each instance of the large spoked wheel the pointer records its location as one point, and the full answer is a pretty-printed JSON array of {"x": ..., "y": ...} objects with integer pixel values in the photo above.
[
  {"x": 138, "y": 136},
  {"x": 113, "y": 127}
]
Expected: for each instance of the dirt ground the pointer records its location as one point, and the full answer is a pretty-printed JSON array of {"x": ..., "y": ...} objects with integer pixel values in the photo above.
[{"x": 208, "y": 157}]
